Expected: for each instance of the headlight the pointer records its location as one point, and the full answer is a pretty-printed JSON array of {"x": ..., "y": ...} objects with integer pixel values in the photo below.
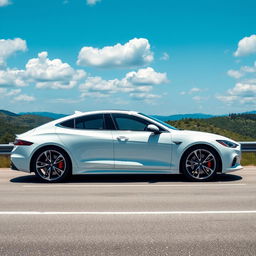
[{"x": 227, "y": 143}]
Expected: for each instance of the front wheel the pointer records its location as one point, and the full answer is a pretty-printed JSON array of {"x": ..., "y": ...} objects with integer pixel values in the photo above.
[
  {"x": 200, "y": 164},
  {"x": 51, "y": 165}
]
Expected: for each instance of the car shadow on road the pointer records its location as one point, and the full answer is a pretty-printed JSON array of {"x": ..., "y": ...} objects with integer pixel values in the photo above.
[{"x": 126, "y": 178}]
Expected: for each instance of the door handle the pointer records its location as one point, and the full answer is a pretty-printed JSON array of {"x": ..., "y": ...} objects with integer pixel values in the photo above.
[{"x": 122, "y": 138}]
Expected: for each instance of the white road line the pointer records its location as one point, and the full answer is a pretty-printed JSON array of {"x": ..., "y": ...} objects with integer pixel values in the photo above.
[
  {"x": 126, "y": 213},
  {"x": 129, "y": 185}
]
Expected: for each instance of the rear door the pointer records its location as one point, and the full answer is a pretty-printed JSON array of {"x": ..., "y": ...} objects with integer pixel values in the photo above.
[
  {"x": 138, "y": 149},
  {"x": 89, "y": 141}
]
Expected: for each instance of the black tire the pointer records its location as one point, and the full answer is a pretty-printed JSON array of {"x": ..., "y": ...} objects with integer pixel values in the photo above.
[
  {"x": 44, "y": 166},
  {"x": 200, "y": 163}
]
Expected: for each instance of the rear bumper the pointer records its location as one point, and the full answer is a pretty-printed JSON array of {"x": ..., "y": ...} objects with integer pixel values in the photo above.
[
  {"x": 13, "y": 167},
  {"x": 20, "y": 159}
]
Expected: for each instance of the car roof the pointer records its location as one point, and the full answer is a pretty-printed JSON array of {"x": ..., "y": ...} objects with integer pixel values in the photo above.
[
  {"x": 78, "y": 114},
  {"x": 106, "y": 111}
]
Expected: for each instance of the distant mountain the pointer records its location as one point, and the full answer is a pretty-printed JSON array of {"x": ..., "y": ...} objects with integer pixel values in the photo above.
[
  {"x": 183, "y": 116},
  {"x": 8, "y": 113},
  {"x": 45, "y": 114},
  {"x": 250, "y": 112}
]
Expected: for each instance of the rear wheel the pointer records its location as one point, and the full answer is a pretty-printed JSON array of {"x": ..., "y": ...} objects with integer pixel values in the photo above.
[
  {"x": 200, "y": 163},
  {"x": 51, "y": 165}
]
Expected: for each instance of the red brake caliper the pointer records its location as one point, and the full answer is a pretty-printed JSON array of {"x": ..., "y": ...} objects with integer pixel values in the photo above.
[
  {"x": 209, "y": 164},
  {"x": 61, "y": 165}
]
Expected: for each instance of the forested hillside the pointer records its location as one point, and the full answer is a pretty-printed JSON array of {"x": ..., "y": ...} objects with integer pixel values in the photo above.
[
  {"x": 11, "y": 124},
  {"x": 240, "y": 127}
]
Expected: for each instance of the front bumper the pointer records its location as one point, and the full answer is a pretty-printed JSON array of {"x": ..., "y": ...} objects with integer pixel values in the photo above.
[
  {"x": 231, "y": 160},
  {"x": 233, "y": 169}
]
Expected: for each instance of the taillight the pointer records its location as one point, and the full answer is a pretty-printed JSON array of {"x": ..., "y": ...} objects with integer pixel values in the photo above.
[{"x": 18, "y": 142}]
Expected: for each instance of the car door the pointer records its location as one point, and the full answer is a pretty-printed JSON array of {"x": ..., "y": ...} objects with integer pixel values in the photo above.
[
  {"x": 138, "y": 149},
  {"x": 89, "y": 142}
]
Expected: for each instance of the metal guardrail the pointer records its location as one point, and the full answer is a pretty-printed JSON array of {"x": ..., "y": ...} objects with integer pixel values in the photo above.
[
  {"x": 246, "y": 146},
  {"x": 5, "y": 149}
]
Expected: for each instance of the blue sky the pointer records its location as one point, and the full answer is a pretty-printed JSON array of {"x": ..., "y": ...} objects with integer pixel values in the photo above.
[{"x": 158, "y": 57}]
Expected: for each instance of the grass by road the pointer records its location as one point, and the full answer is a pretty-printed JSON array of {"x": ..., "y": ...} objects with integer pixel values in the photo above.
[{"x": 4, "y": 161}]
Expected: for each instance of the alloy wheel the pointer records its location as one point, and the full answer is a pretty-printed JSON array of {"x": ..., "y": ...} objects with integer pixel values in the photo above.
[
  {"x": 51, "y": 165},
  {"x": 200, "y": 164}
]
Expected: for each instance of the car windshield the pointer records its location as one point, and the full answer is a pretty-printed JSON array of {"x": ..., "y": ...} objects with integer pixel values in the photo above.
[{"x": 159, "y": 121}]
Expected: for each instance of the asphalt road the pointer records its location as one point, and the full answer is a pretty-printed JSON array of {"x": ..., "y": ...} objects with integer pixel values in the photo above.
[{"x": 128, "y": 215}]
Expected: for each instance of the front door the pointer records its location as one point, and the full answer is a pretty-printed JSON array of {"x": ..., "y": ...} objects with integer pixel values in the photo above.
[{"x": 135, "y": 148}]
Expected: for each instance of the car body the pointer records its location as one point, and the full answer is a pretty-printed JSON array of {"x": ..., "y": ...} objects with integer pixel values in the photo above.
[{"x": 114, "y": 141}]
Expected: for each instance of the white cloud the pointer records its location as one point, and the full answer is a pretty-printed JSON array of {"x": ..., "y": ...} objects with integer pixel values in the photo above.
[
  {"x": 98, "y": 87},
  {"x": 5, "y": 92},
  {"x": 227, "y": 98},
  {"x": 250, "y": 81},
  {"x": 12, "y": 77},
  {"x": 99, "y": 84},
  {"x": 13, "y": 92},
  {"x": 137, "y": 84},
  {"x": 243, "y": 90},
  {"x": 43, "y": 73},
  {"x": 243, "y": 71},
  {"x": 92, "y": 2},
  {"x": 146, "y": 76},
  {"x": 249, "y": 69},
  {"x": 246, "y": 46},
  {"x": 195, "y": 89},
  {"x": 244, "y": 93},
  {"x": 199, "y": 98},
  {"x": 9, "y": 47},
  {"x": 144, "y": 96},
  {"x": 24, "y": 97},
  {"x": 55, "y": 74},
  {"x": 5, "y": 2},
  {"x": 235, "y": 73},
  {"x": 67, "y": 101},
  {"x": 95, "y": 95},
  {"x": 134, "y": 53},
  {"x": 191, "y": 91},
  {"x": 165, "y": 56}
]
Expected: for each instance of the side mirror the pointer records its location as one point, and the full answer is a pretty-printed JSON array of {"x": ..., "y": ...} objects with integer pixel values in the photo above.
[{"x": 153, "y": 128}]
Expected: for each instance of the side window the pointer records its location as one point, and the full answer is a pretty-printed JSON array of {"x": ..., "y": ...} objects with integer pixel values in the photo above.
[
  {"x": 129, "y": 122},
  {"x": 91, "y": 122},
  {"x": 69, "y": 123}
]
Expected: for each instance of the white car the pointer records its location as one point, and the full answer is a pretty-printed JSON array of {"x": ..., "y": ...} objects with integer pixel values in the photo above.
[{"x": 121, "y": 142}]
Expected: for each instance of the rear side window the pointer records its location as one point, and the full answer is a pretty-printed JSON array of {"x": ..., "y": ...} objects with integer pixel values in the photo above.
[
  {"x": 69, "y": 123},
  {"x": 91, "y": 122}
]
